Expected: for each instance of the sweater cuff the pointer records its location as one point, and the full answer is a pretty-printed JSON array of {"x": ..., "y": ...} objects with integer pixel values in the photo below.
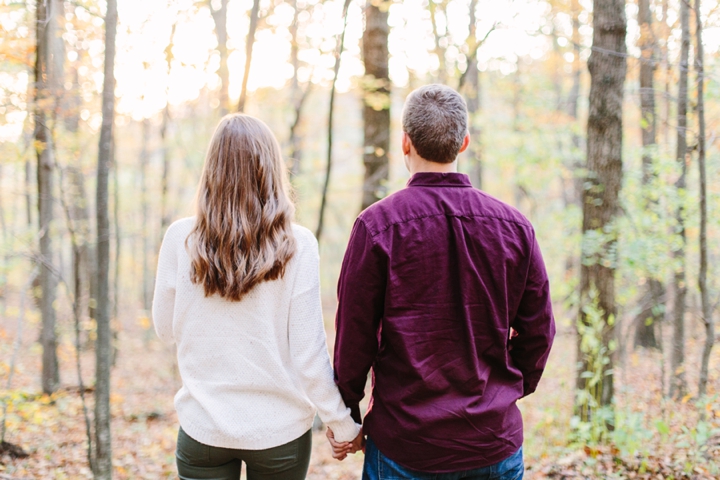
[{"x": 345, "y": 431}]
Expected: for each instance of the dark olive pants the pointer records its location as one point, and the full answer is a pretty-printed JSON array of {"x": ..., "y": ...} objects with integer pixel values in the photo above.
[{"x": 197, "y": 461}]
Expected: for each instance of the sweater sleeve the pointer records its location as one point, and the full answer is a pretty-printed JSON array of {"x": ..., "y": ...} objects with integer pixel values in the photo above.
[
  {"x": 308, "y": 347},
  {"x": 163, "y": 305}
]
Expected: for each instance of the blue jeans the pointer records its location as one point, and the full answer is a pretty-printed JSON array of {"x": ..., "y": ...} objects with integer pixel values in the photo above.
[{"x": 378, "y": 467}]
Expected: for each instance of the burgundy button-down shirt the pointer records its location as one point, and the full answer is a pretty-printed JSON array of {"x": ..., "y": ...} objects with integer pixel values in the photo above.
[{"x": 433, "y": 279}]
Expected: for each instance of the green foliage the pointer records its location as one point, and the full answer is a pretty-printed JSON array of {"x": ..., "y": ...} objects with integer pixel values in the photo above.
[{"x": 593, "y": 421}]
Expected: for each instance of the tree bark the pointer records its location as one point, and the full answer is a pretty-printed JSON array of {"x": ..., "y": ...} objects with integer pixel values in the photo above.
[
  {"x": 607, "y": 66},
  {"x": 653, "y": 310},
  {"x": 220, "y": 18},
  {"x": 473, "y": 96},
  {"x": 678, "y": 384},
  {"x": 254, "y": 13},
  {"x": 328, "y": 168},
  {"x": 103, "y": 350},
  {"x": 702, "y": 278},
  {"x": 376, "y": 104},
  {"x": 45, "y": 180}
]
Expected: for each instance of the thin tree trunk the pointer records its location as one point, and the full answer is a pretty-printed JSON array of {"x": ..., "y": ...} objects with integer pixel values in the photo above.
[
  {"x": 652, "y": 312},
  {"x": 220, "y": 18},
  {"x": 607, "y": 65},
  {"x": 147, "y": 276},
  {"x": 80, "y": 217},
  {"x": 103, "y": 350},
  {"x": 678, "y": 384},
  {"x": 77, "y": 227},
  {"x": 29, "y": 137},
  {"x": 248, "y": 53},
  {"x": 118, "y": 250},
  {"x": 439, "y": 50},
  {"x": 297, "y": 95},
  {"x": 571, "y": 196},
  {"x": 702, "y": 279},
  {"x": 28, "y": 196},
  {"x": 328, "y": 165},
  {"x": 376, "y": 104},
  {"x": 519, "y": 150},
  {"x": 667, "y": 31},
  {"x": 165, "y": 181},
  {"x": 295, "y": 143},
  {"x": 43, "y": 148},
  {"x": 473, "y": 95},
  {"x": 6, "y": 248}
]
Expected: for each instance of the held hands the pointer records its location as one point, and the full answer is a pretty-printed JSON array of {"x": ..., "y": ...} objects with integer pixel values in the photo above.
[{"x": 342, "y": 449}]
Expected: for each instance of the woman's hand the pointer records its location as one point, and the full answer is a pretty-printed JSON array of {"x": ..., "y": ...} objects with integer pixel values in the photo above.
[{"x": 342, "y": 449}]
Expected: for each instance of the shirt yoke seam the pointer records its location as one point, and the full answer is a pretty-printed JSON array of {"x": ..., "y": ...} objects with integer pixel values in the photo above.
[{"x": 420, "y": 217}]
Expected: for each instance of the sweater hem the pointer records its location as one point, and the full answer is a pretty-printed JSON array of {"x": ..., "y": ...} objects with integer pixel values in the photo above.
[{"x": 218, "y": 439}]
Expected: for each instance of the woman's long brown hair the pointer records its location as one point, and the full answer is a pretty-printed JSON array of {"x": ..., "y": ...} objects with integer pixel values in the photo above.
[{"x": 243, "y": 230}]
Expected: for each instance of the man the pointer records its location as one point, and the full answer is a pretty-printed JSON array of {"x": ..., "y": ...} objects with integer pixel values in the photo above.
[{"x": 435, "y": 278}]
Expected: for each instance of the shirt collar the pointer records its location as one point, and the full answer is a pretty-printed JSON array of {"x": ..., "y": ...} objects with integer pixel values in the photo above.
[{"x": 433, "y": 179}]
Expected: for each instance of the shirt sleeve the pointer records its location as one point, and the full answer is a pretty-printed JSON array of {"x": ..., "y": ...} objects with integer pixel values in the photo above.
[
  {"x": 361, "y": 299},
  {"x": 534, "y": 323},
  {"x": 309, "y": 351},
  {"x": 163, "y": 306}
]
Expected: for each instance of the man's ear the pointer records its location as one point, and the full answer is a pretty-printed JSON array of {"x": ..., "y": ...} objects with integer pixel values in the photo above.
[
  {"x": 406, "y": 143},
  {"x": 466, "y": 142}
]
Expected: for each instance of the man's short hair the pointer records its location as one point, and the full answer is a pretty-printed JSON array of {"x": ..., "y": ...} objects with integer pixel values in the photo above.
[{"x": 435, "y": 118}]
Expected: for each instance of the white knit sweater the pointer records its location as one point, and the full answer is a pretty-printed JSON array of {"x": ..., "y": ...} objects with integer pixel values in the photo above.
[{"x": 253, "y": 371}]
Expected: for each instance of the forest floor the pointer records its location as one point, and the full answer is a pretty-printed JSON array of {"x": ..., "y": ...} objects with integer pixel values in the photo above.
[{"x": 655, "y": 438}]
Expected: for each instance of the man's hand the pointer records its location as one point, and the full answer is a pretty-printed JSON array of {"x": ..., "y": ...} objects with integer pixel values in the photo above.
[
  {"x": 342, "y": 449},
  {"x": 359, "y": 442}
]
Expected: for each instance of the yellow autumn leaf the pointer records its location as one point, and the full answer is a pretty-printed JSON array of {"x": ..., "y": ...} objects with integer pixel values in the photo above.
[{"x": 686, "y": 398}]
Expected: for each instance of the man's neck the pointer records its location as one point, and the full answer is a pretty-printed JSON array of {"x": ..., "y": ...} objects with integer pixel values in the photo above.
[{"x": 420, "y": 165}]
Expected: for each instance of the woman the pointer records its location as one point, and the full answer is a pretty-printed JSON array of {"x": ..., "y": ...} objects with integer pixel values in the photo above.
[{"x": 238, "y": 292}]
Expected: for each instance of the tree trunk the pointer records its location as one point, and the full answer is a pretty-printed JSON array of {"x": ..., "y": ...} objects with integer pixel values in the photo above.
[
  {"x": 220, "y": 18},
  {"x": 118, "y": 251},
  {"x": 328, "y": 168},
  {"x": 571, "y": 196},
  {"x": 607, "y": 65},
  {"x": 5, "y": 257},
  {"x": 298, "y": 97},
  {"x": 248, "y": 53},
  {"x": 702, "y": 278},
  {"x": 667, "y": 32},
  {"x": 103, "y": 350},
  {"x": 165, "y": 215},
  {"x": 80, "y": 218},
  {"x": 473, "y": 96},
  {"x": 678, "y": 384},
  {"x": 653, "y": 306},
  {"x": 376, "y": 104},
  {"x": 439, "y": 49},
  {"x": 45, "y": 168},
  {"x": 147, "y": 275}
]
